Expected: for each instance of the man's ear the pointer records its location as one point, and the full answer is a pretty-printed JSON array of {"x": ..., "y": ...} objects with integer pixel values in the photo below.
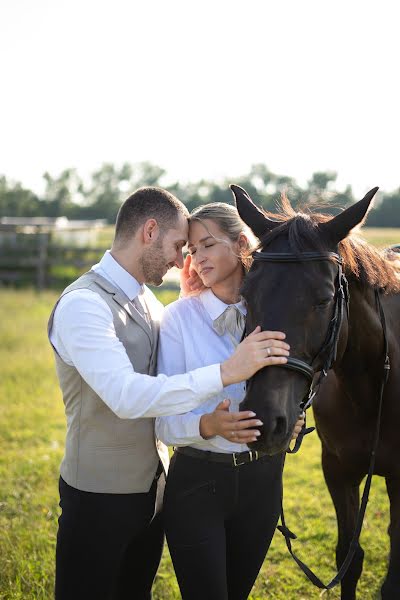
[{"x": 151, "y": 231}]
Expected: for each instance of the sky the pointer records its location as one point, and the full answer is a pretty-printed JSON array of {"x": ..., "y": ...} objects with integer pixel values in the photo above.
[{"x": 202, "y": 89}]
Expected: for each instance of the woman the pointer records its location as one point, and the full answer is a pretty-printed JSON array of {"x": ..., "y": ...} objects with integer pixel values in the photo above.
[{"x": 221, "y": 504}]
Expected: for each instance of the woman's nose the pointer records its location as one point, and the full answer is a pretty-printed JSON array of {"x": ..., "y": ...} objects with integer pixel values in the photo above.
[{"x": 198, "y": 258}]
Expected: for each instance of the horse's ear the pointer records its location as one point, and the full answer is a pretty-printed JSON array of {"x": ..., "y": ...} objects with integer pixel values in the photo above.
[
  {"x": 250, "y": 214},
  {"x": 340, "y": 226}
]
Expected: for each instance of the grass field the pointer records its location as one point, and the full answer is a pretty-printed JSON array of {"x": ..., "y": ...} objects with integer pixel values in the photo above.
[
  {"x": 381, "y": 237},
  {"x": 31, "y": 442}
]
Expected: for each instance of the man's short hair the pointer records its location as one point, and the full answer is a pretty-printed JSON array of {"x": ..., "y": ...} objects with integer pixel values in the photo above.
[{"x": 148, "y": 203}]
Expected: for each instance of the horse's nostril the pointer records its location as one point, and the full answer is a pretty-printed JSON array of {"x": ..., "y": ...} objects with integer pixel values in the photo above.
[{"x": 280, "y": 426}]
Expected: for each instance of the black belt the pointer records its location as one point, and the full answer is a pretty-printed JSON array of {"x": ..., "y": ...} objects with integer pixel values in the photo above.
[{"x": 235, "y": 459}]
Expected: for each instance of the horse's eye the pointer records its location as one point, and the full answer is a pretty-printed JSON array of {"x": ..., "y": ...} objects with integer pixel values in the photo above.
[{"x": 322, "y": 304}]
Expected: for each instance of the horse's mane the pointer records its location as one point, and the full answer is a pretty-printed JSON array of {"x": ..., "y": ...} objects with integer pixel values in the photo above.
[{"x": 360, "y": 259}]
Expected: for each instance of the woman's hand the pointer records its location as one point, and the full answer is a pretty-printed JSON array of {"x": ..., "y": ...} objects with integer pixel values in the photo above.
[
  {"x": 298, "y": 427},
  {"x": 191, "y": 283},
  {"x": 260, "y": 349},
  {"x": 233, "y": 426}
]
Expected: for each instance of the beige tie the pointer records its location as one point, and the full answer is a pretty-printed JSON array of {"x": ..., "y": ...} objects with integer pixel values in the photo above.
[
  {"x": 142, "y": 309},
  {"x": 232, "y": 322}
]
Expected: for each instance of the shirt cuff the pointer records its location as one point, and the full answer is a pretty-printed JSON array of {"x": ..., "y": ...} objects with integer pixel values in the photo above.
[
  {"x": 209, "y": 378},
  {"x": 192, "y": 430}
]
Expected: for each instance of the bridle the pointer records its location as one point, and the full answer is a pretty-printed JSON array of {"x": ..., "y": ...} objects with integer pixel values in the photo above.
[
  {"x": 329, "y": 349},
  {"x": 328, "y": 352}
]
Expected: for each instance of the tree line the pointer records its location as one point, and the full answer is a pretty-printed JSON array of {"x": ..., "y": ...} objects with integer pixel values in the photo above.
[{"x": 100, "y": 197}]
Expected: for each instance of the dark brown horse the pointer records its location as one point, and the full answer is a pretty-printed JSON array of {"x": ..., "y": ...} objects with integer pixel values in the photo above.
[{"x": 294, "y": 291}]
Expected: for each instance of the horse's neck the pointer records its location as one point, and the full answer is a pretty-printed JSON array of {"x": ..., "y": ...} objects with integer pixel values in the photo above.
[{"x": 360, "y": 364}]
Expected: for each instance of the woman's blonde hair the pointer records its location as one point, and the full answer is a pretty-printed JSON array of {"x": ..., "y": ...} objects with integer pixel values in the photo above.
[{"x": 227, "y": 218}]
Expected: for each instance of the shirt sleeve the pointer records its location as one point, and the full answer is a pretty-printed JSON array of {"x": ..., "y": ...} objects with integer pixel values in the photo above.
[
  {"x": 83, "y": 326},
  {"x": 171, "y": 358},
  {"x": 184, "y": 429},
  {"x": 179, "y": 430}
]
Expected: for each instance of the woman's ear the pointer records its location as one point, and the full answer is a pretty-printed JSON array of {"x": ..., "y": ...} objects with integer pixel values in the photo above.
[{"x": 244, "y": 243}]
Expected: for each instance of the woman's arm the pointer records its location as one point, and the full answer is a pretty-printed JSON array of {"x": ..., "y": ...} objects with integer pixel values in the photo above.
[
  {"x": 185, "y": 429},
  {"x": 190, "y": 428}
]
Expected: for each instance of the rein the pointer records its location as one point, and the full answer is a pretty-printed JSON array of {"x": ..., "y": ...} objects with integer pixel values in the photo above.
[{"x": 330, "y": 348}]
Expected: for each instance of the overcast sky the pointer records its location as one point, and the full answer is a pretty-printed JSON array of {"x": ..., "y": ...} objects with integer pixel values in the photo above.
[{"x": 203, "y": 89}]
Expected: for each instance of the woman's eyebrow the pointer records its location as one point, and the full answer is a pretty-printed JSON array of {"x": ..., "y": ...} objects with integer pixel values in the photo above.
[{"x": 200, "y": 241}]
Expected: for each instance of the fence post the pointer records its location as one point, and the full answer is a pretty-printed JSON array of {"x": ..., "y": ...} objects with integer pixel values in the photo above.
[{"x": 42, "y": 260}]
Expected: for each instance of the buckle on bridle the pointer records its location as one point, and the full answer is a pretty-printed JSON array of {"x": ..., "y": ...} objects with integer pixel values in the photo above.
[{"x": 252, "y": 456}]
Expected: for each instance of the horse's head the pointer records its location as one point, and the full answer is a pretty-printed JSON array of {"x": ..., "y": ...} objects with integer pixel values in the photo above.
[{"x": 294, "y": 286}]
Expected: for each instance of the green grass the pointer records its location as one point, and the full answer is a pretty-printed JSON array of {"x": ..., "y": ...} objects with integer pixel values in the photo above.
[
  {"x": 382, "y": 237},
  {"x": 31, "y": 438},
  {"x": 31, "y": 441}
]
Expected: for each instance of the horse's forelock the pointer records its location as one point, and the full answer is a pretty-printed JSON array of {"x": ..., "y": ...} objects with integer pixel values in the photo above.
[
  {"x": 301, "y": 230},
  {"x": 360, "y": 258}
]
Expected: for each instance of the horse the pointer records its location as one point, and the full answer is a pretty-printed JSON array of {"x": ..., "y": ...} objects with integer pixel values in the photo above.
[{"x": 338, "y": 301}]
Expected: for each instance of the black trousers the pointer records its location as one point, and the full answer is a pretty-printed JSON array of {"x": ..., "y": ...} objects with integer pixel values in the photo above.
[
  {"x": 108, "y": 545},
  {"x": 219, "y": 522}
]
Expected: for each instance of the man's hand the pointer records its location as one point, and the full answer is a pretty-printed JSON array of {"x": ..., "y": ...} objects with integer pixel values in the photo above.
[
  {"x": 233, "y": 426},
  {"x": 260, "y": 349},
  {"x": 191, "y": 283}
]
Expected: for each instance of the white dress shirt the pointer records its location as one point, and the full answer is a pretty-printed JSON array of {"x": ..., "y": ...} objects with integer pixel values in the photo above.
[
  {"x": 188, "y": 341},
  {"x": 84, "y": 336}
]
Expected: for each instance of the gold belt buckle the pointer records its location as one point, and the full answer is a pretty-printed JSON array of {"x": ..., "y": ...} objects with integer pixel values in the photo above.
[
  {"x": 235, "y": 460},
  {"x": 252, "y": 456}
]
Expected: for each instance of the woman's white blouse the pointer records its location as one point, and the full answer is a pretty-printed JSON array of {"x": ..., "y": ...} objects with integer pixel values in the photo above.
[{"x": 188, "y": 341}]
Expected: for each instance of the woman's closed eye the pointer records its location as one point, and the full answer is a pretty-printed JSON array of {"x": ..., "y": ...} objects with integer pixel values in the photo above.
[{"x": 193, "y": 250}]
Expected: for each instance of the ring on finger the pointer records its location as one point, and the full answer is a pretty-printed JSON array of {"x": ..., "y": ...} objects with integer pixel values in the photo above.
[{"x": 268, "y": 351}]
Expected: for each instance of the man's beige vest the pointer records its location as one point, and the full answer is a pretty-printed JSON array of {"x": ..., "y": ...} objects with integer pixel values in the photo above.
[{"x": 104, "y": 453}]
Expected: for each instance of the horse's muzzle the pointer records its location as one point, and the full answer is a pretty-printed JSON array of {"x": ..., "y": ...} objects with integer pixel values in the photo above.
[{"x": 275, "y": 436}]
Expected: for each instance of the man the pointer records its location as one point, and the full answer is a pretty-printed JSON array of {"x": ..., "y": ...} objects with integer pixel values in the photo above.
[{"x": 104, "y": 333}]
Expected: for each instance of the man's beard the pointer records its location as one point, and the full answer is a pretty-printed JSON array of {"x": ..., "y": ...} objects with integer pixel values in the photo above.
[{"x": 153, "y": 264}]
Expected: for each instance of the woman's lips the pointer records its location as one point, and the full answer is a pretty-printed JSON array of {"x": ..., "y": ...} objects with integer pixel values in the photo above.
[{"x": 206, "y": 270}]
